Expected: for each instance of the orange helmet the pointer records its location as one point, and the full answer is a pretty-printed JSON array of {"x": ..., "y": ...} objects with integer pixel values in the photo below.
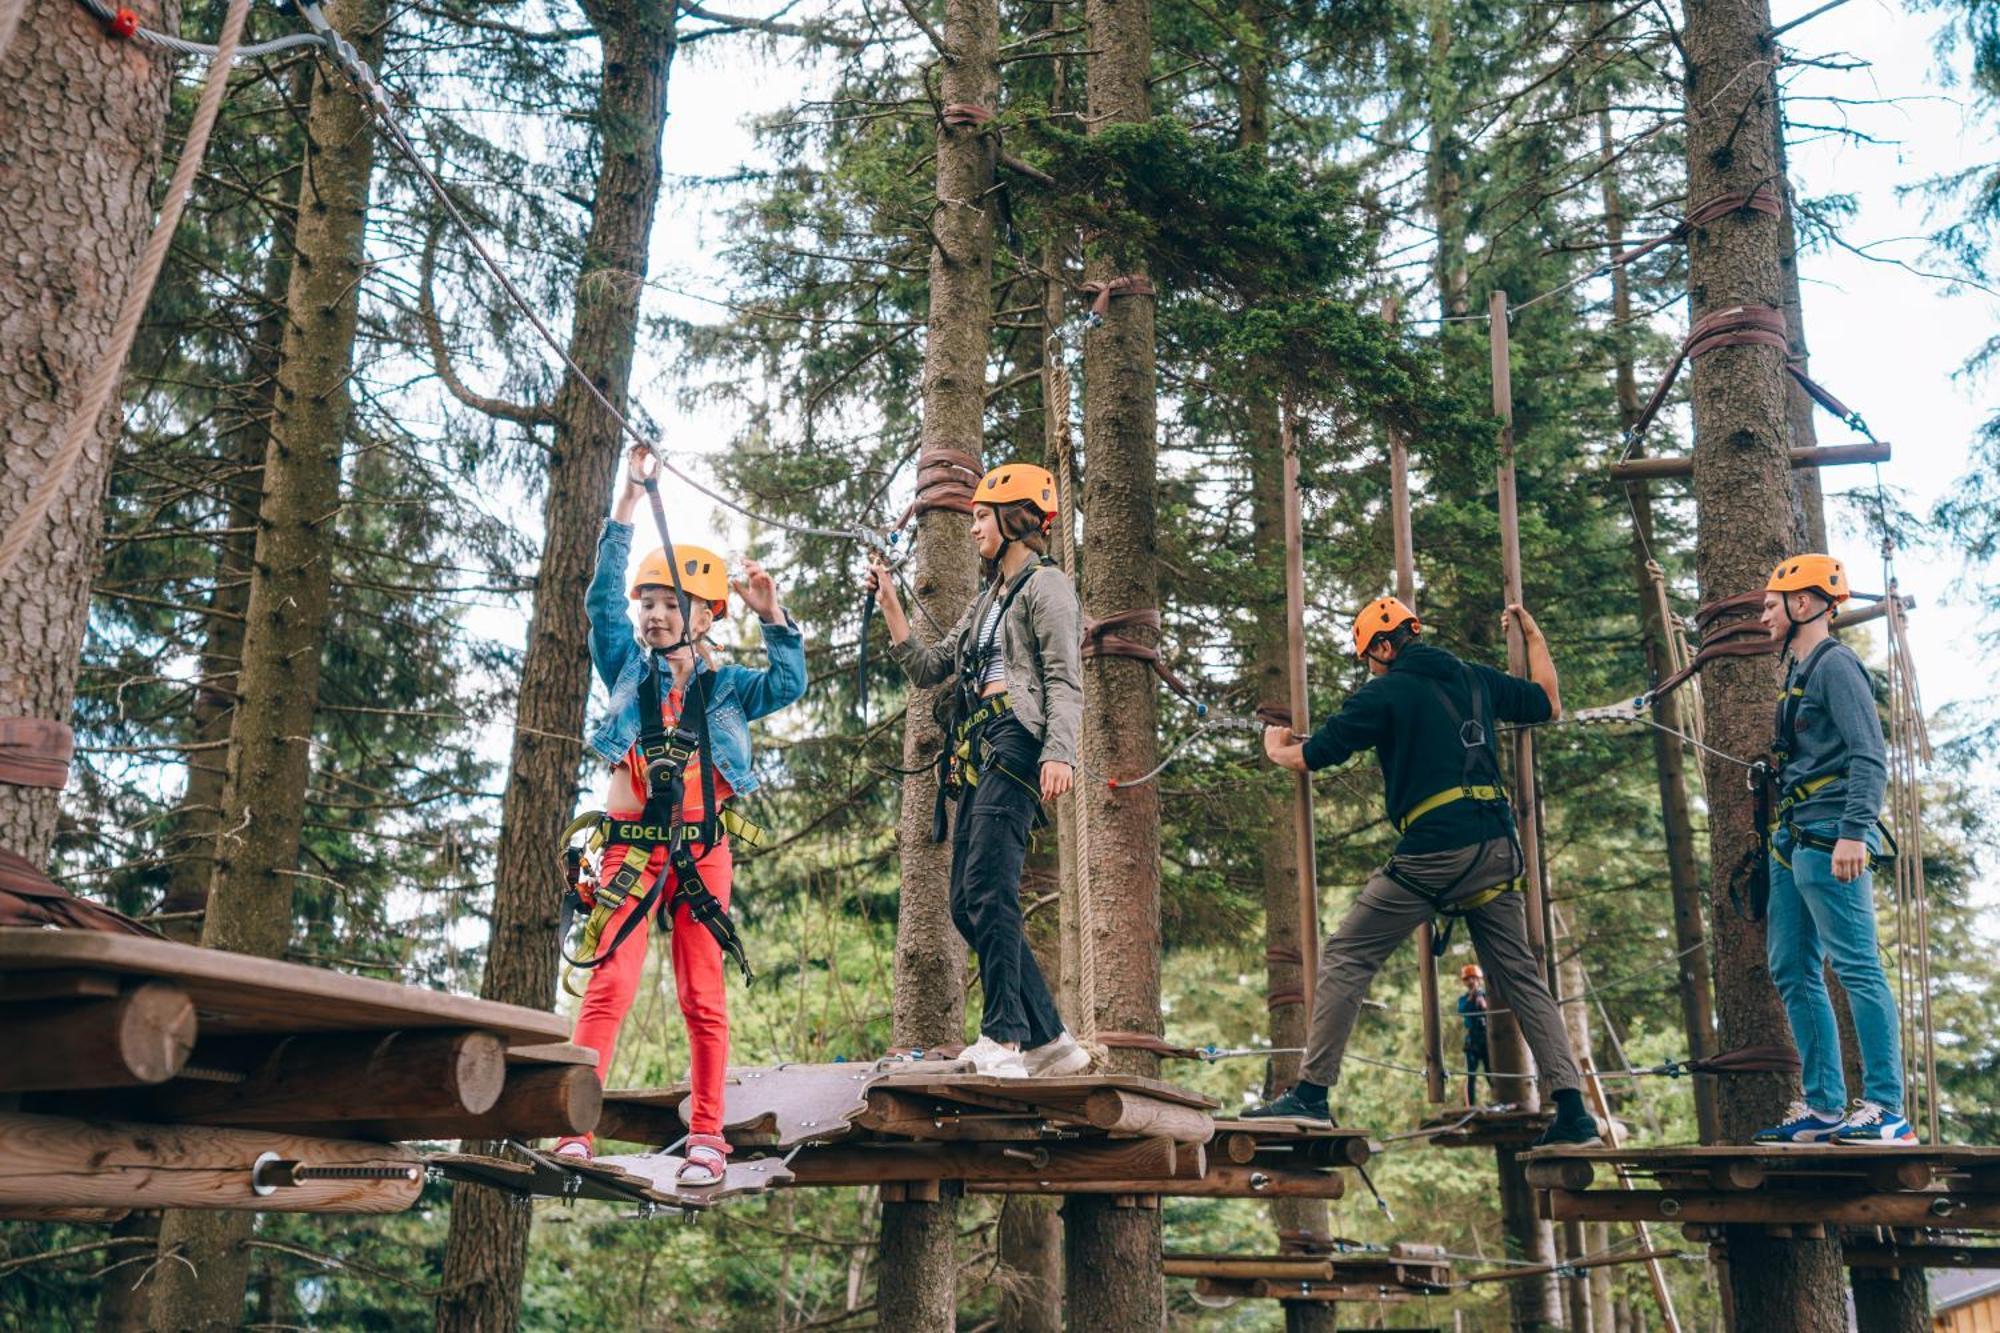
[
  {"x": 1011, "y": 482},
  {"x": 704, "y": 576},
  {"x": 1811, "y": 573},
  {"x": 1379, "y": 617},
  {"x": 1471, "y": 971}
]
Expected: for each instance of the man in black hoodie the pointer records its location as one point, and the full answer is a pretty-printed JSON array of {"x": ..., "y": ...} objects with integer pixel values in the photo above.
[{"x": 1431, "y": 718}]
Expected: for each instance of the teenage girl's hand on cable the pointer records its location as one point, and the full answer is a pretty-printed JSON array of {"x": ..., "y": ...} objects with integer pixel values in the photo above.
[
  {"x": 1057, "y": 778},
  {"x": 640, "y": 463},
  {"x": 881, "y": 584},
  {"x": 758, "y": 591},
  {"x": 1850, "y": 858},
  {"x": 1285, "y": 748}
]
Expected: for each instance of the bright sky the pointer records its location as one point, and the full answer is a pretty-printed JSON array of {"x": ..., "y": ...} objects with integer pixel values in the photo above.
[{"x": 1885, "y": 340}]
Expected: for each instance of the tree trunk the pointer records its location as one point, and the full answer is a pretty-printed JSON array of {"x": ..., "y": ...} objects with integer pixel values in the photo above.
[
  {"x": 1029, "y": 1235},
  {"x": 1576, "y": 1021},
  {"x": 81, "y": 121},
  {"x": 486, "y": 1252},
  {"x": 919, "y": 1289},
  {"x": 264, "y": 798},
  {"x": 1892, "y": 1300},
  {"x": 1808, "y": 490},
  {"x": 1743, "y": 495},
  {"x": 1669, "y": 754},
  {"x": 240, "y": 469},
  {"x": 1113, "y": 1252}
]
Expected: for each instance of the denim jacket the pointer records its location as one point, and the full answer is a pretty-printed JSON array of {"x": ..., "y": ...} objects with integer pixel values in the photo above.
[{"x": 737, "y": 695}]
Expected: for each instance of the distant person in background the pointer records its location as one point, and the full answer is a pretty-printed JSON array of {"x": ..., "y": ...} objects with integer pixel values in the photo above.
[{"x": 1472, "y": 1008}]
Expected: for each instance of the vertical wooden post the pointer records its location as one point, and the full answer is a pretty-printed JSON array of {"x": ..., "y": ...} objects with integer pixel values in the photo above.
[
  {"x": 1526, "y": 813},
  {"x": 1295, "y": 662},
  {"x": 1406, "y": 591}
]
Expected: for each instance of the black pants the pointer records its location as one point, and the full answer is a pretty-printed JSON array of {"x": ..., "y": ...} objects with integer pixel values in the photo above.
[
  {"x": 1476, "y": 1059},
  {"x": 988, "y": 847}
]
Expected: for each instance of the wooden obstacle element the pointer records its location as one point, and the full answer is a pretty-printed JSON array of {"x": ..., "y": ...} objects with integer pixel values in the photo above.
[
  {"x": 908, "y": 1125},
  {"x": 1827, "y": 455},
  {"x": 646, "y": 1180},
  {"x": 147, "y": 1073},
  {"x": 1787, "y": 1190},
  {"x": 1320, "y": 1275},
  {"x": 1486, "y": 1127}
]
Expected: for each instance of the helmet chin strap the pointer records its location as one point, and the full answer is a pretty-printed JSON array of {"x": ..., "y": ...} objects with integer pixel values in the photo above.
[{"x": 1793, "y": 622}]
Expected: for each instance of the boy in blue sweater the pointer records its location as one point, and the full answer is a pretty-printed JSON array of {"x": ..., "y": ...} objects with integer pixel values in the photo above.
[{"x": 1832, "y": 774}]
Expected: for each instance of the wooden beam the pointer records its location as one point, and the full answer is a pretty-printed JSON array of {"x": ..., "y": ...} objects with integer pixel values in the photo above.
[
  {"x": 55, "y": 1161},
  {"x": 1319, "y": 1293},
  {"x": 539, "y": 1102},
  {"x": 129, "y": 1040},
  {"x": 1151, "y": 1160},
  {"x": 1220, "y": 1181},
  {"x": 1862, "y": 1254},
  {"x": 1774, "y": 1207},
  {"x": 1116, "y": 1111},
  {"x": 396, "y": 1076},
  {"x": 55, "y": 1213},
  {"x": 904, "y": 1115},
  {"x": 1831, "y": 455},
  {"x": 1851, "y": 615},
  {"x": 1295, "y": 673}
]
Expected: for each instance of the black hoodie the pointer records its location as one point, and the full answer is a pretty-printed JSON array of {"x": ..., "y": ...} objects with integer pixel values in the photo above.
[{"x": 1399, "y": 715}]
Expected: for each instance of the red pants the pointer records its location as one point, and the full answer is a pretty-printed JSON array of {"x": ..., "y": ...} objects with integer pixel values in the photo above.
[{"x": 698, "y": 977}]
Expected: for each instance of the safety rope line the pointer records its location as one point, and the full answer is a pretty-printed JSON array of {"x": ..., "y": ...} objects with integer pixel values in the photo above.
[
  {"x": 358, "y": 71},
  {"x": 85, "y": 422},
  {"x": 124, "y": 23},
  {"x": 1063, "y": 443}
]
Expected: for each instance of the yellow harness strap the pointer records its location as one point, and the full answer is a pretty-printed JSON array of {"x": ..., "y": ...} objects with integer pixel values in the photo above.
[{"x": 1442, "y": 799}]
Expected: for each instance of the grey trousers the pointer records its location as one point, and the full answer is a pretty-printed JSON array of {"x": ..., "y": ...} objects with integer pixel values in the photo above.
[{"x": 1386, "y": 913}]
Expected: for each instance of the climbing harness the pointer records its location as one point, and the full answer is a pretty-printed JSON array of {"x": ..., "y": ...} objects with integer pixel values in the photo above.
[
  {"x": 665, "y": 755},
  {"x": 1479, "y": 782},
  {"x": 959, "y": 762}
]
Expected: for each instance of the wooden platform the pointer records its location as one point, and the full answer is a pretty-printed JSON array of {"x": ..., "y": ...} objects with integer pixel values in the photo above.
[
  {"x": 907, "y": 1125},
  {"x": 1486, "y": 1128},
  {"x": 647, "y": 1180},
  {"x": 1401, "y": 1273},
  {"x": 197, "y": 1062},
  {"x": 1778, "y": 1188}
]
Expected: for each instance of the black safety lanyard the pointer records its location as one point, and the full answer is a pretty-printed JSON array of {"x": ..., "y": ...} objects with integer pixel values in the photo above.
[{"x": 1793, "y": 700}]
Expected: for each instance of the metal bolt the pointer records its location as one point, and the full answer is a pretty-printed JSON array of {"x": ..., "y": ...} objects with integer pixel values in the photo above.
[
  {"x": 1670, "y": 1208},
  {"x": 1258, "y": 1180}
]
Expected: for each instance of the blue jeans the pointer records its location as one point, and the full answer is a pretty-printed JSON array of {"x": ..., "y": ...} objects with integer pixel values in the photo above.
[{"x": 1814, "y": 918}]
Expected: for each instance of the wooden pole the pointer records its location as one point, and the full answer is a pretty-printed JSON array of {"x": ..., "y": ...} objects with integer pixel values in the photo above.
[
  {"x": 1526, "y": 810},
  {"x": 1158, "y": 1161},
  {"x": 1829, "y": 455},
  {"x": 54, "y": 1161},
  {"x": 541, "y": 1101},
  {"x": 140, "y": 1037},
  {"x": 1219, "y": 1182},
  {"x": 1405, "y": 542},
  {"x": 1295, "y": 643}
]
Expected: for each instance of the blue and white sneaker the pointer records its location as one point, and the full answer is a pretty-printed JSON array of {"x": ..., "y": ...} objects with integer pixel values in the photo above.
[
  {"x": 1874, "y": 1125},
  {"x": 1802, "y": 1127}
]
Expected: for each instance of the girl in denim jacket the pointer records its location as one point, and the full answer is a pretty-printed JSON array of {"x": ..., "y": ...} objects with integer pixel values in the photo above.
[{"x": 675, "y": 634}]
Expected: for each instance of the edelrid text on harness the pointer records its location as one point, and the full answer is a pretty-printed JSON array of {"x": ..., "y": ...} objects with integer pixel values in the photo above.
[
  {"x": 661, "y": 823},
  {"x": 1479, "y": 781},
  {"x": 957, "y": 765}
]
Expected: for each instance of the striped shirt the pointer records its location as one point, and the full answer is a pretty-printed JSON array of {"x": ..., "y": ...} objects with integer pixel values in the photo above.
[{"x": 988, "y": 644}]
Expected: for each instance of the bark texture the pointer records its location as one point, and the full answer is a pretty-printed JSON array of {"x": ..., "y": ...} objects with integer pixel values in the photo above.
[
  {"x": 81, "y": 120},
  {"x": 263, "y": 799},
  {"x": 1113, "y": 1253},
  {"x": 486, "y": 1252},
  {"x": 1744, "y": 499},
  {"x": 1029, "y": 1233},
  {"x": 919, "y": 1289}
]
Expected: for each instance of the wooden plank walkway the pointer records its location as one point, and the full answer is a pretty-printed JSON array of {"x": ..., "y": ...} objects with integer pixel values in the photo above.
[{"x": 1784, "y": 1189}]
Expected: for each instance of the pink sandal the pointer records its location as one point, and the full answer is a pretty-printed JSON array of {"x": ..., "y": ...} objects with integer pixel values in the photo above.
[
  {"x": 707, "y": 1161},
  {"x": 575, "y": 1146}
]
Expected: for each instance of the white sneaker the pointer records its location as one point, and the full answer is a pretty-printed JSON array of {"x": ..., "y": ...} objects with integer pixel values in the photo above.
[
  {"x": 1057, "y": 1058},
  {"x": 990, "y": 1057}
]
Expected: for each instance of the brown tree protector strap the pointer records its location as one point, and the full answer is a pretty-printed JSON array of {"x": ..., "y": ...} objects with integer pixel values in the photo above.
[
  {"x": 1101, "y": 292},
  {"x": 35, "y": 752},
  {"x": 1740, "y": 326},
  {"x": 1106, "y": 638},
  {"x": 964, "y": 113},
  {"x": 30, "y": 898},
  {"x": 946, "y": 479},
  {"x": 1743, "y": 637},
  {"x": 1146, "y": 1041},
  {"x": 1763, "y": 199}
]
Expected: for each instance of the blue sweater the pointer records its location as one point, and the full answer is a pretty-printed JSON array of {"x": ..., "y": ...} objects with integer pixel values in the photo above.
[{"x": 1835, "y": 729}]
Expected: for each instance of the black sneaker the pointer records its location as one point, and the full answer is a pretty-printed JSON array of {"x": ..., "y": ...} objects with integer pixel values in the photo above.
[
  {"x": 1578, "y": 1131},
  {"x": 1289, "y": 1106}
]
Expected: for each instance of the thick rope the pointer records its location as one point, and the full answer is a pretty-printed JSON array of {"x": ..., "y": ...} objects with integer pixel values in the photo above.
[
  {"x": 83, "y": 423},
  {"x": 1086, "y": 905}
]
